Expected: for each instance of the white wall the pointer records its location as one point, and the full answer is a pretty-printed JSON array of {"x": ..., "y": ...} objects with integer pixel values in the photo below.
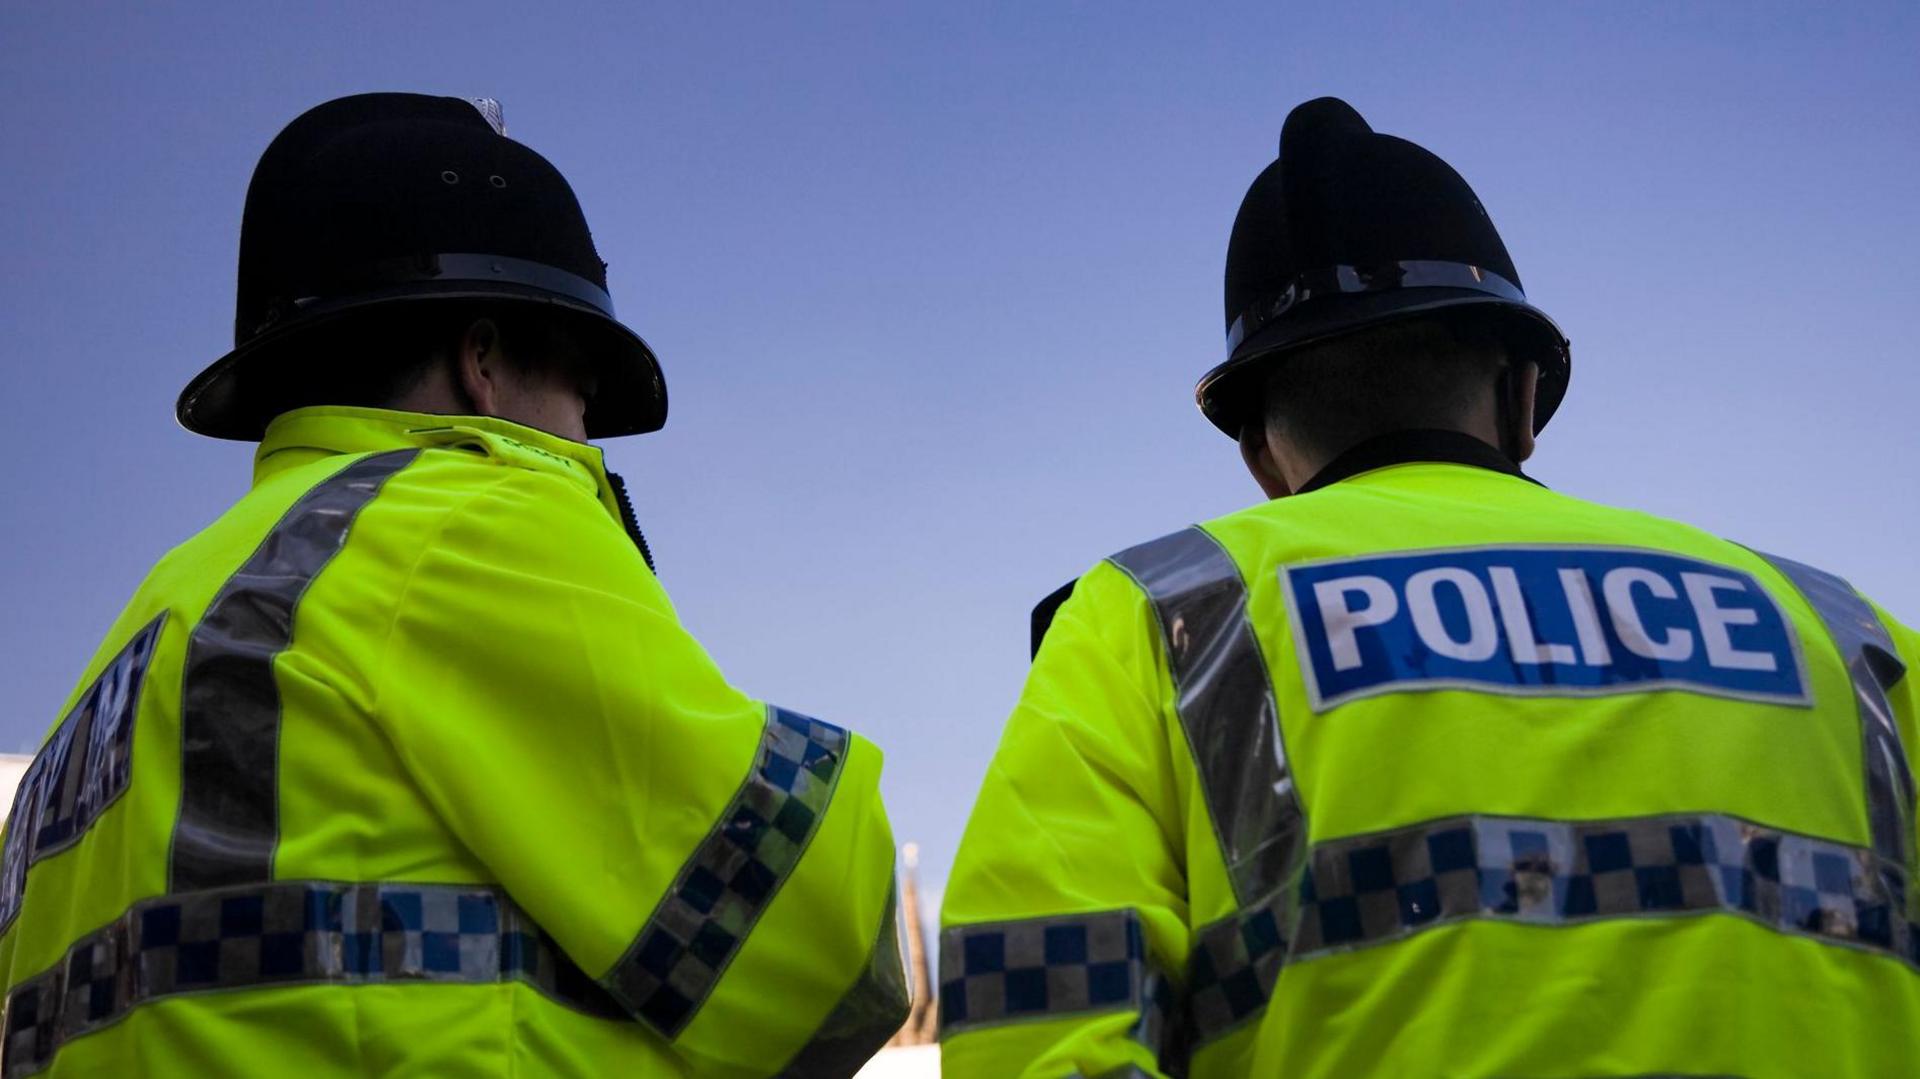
[
  {"x": 918, "y": 1062},
  {"x": 11, "y": 769}
]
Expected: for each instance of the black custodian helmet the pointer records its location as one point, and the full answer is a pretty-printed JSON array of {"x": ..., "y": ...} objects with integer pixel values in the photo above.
[
  {"x": 1349, "y": 229},
  {"x": 380, "y": 200}
]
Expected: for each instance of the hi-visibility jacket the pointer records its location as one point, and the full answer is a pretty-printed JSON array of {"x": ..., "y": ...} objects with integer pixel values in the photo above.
[
  {"x": 1435, "y": 772},
  {"x": 406, "y": 766}
]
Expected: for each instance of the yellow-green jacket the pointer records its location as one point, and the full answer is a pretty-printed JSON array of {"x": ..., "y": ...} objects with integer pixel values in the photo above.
[
  {"x": 406, "y": 766},
  {"x": 1435, "y": 772}
]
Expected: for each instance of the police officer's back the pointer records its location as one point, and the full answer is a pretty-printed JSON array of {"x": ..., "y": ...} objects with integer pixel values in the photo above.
[
  {"x": 1420, "y": 768},
  {"x": 405, "y": 764}
]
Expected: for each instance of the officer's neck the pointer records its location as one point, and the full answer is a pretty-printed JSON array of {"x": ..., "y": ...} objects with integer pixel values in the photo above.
[
  {"x": 1502, "y": 421},
  {"x": 1305, "y": 467},
  {"x": 471, "y": 386},
  {"x": 1420, "y": 446}
]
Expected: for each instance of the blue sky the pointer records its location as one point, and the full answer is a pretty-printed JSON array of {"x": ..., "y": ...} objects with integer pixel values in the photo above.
[{"x": 932, "y": 284}]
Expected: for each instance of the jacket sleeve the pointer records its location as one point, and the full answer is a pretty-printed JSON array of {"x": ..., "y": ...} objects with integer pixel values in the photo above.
[
  {"x": 1067, "y": 908},
  {"x": 1904, "y": 695},
  {"x": 718, "y": 864}
]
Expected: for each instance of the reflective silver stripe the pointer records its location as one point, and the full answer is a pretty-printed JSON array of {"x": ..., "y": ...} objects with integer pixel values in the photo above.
[
  {"x": 1047, "y": 968},
  {"x": 288, "y": 933},
  {"x": 1365, "y": 890},
  {"x": 866, "y": 1017},
  {"x": 1226, "y": 705},
  {"x": 1874, "y": 666},
  {"x": 706, "y": 914},
  {"x": 229, "y": 701}
]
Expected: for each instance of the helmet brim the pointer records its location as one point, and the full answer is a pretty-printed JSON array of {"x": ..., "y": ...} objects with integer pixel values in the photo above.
[
  {"x": 1231, "y": 394},
  {"x": 235, "y": 397}
]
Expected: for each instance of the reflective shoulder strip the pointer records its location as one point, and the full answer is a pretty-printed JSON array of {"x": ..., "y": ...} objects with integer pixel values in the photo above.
[
  {"x": 1226, "y": 705},
  {"x": 287, "y": 933},
  {"x": 866, "y": 1017},
  {"x": 1874, "y": 667},
  {"x": 1053, "y": 967},
  {"x": 708, "y": 910},
  {"x": 229, "y": 702}
]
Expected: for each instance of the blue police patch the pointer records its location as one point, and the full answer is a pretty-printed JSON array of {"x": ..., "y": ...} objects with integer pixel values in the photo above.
[{"x": 1539, "y": 620}]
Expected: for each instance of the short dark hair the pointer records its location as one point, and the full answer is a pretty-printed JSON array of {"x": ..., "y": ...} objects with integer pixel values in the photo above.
[
  {"x": 1421, "y": 372},
  {"x": 372, "y": 359}
]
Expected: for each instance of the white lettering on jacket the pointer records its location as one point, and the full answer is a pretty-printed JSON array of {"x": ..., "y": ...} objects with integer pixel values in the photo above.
[{"x": 1554, "y": 620}]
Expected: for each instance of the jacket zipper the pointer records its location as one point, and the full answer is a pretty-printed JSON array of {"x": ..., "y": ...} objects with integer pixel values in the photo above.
[{"x": 628, "y": 520}]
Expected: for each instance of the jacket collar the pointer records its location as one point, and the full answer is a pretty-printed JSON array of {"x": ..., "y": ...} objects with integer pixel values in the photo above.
[
  {"x": 1413, "y": 447},
  {"x": 305, "y": 435}
]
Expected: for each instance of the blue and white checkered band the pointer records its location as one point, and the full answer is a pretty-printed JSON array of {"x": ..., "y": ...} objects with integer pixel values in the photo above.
[
  {"x": 722, "y": 889},
  {"x": 83, "y": 768},
  {"x": 1545, "y": 621},
  {"x": 1233, "y": 968},
  {"x": 1369, "y": 889},
  {"x": 1048, "y": 968},
  {"x": 1374, "y": 889},
  {"x": 1378, "y": 277},
  {"x": 288, "y": 933}
]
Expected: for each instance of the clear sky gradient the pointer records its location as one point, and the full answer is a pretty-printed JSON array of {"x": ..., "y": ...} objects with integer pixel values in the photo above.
[{"x": 932, "y": 284}]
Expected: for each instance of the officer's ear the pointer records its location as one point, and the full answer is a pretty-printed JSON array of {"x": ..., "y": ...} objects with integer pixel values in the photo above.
[
  {"x": 1258, "y": 455},
  {"x": 480, "y": 366}
]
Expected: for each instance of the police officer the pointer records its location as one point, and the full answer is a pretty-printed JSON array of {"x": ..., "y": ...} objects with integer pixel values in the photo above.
[
  {"x": 1420, "y": 768},
  {"x": 405, "y": 765}
]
